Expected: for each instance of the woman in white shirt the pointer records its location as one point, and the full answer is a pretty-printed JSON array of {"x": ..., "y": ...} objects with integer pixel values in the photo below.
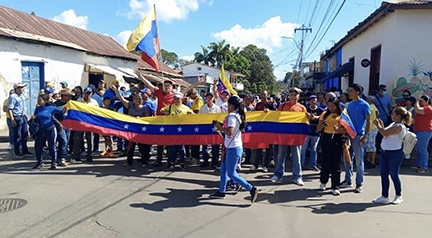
[
  {"x": 392, "y": 154},
  {"x": 232, "y": 127}
]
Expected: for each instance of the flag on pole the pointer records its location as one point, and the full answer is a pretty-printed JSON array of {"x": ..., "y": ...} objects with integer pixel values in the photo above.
[
  {"x": 224, "y": 84},
  {"x": 145, "y": 39}
]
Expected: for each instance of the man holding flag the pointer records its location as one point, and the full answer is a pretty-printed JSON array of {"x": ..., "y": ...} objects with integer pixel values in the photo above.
[{"x": 222, "y": 90}]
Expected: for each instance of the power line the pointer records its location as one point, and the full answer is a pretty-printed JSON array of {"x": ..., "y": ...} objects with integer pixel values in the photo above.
[
  {"x": 321, "y": 25},
  {"x": 285, "y": 58},
  {"x": 298, "y": 15},
  {"x": 337, "y": 13},
  {"x": 315, "y": 13},
  {"x": 307, "y": 12}
]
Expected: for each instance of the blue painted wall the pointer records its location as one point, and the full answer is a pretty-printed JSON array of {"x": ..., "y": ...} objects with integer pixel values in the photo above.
[{"x": 334, "y": 82}]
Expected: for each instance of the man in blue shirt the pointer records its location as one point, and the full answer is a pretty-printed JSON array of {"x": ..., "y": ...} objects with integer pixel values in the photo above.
[
  {"x": 359, "y": 112},
  {"x": 383, "y": 103},
  {"x": 16, "y": 112}
]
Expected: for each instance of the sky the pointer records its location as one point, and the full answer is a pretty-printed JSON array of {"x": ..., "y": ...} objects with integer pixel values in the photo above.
[{"x": 185, "y": 25}]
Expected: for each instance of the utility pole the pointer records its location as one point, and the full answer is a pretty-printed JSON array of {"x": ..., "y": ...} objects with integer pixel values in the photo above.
[{"x": 304, "y": 30}]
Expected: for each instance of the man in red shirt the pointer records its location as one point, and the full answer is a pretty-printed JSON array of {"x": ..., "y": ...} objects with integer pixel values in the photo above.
[
  {"x": 164, "y": 97},
  {"x": 293, "y": 106}
]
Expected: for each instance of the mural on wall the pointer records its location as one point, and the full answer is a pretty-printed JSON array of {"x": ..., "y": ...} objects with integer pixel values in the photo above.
[{"x": 418, "y": 81}]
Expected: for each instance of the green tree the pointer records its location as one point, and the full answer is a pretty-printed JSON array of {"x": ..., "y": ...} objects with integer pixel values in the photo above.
[
  {"x": 261, "y": 70},
  {"x": 238, "y": 64},
  {"x": 203, "y": 57},
  {"x": 219, "y": 53},
  {"x": 33, "y": 13},
  {"x": 292, "y": 78},
  {"x": 169, "y": 58}
]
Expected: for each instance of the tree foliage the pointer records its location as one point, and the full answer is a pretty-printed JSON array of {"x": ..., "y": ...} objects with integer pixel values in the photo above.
[
  {"x": 169, "y": 58},
  {"x": 292, "y": 78}
]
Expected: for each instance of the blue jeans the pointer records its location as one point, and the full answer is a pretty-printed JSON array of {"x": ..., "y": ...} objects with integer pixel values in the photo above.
[
  {"x": 359, "y": 159},
  {"x": 423, "y": 138},
  {"x": 390, "y": 164},
  {"x": 11, "y": 131},
  {"x": 215, "y": 154},
  {"x": 20, "y": 135},
  {"x": 46, "y": 134},
  {"x": 122, "y": 144},
  {"x": 173, "y": 155},
  {"x": 280, "y": 164},
  {"x": 228, "y": 169},
  {"x": 313, "y": 150},
  {"x": 63, "y": 141}
]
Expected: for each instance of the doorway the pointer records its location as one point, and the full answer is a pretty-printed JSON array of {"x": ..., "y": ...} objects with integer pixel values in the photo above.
[
  {"x": 351, "y": 72},
  {"x": 375, "y": 67},
  {"x": 95, "y": 78},
  {"x": 32, "y": 74}
]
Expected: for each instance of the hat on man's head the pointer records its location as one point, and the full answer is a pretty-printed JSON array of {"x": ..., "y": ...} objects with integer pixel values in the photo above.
[
  {"x": 178, "y": 95},
  {"x": 64, "y": 83},
  {"x": 312, "y": 97},
  {"x": 116, "y": 83},
  {"x": 146, "y": 90},
  {"x": 48, "y": 90},
  {"x": 66, "y": 92},
  {"x": 19, "y": 85},
  {"x": 194, "y": 91},
  {"x": 88, "y": 90},
  {"x": 295, "y": 89}
]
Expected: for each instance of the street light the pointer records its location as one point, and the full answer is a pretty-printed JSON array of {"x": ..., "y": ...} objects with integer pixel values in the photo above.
[{"x": 295, "y": 42}]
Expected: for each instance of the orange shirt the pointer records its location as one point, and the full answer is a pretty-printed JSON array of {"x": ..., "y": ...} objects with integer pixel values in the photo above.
[
  {"x": 292, "y": 108},
  {"x": 423, "y": 122}
]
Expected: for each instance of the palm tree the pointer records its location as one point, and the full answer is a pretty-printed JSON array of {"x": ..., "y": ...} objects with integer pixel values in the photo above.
[
  {"x": 203, "y": 57},
  {"x": 235, "y": 51},
  {"x": 219, "y": 52}
]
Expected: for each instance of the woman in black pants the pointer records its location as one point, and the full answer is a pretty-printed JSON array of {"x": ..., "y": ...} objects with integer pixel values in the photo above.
[{"x": 332, "y": 141}]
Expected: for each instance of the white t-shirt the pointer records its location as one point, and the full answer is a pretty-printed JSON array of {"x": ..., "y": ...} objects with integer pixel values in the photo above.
[
  {"x": 394, "y": 142},
  {"x": 213, "y": 109},
  {"x": 233, "y": 120},
  {"x": 223, "y": 105}
]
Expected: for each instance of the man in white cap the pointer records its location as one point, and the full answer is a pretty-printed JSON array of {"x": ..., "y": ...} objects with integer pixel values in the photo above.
[{"x": 16, "y": 112}]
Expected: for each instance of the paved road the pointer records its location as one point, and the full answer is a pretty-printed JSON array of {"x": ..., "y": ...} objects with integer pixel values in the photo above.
[{"x": 104, "y": 199}]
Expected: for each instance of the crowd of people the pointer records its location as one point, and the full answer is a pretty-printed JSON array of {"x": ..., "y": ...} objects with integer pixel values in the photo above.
[{"x": 380, "y": 126}]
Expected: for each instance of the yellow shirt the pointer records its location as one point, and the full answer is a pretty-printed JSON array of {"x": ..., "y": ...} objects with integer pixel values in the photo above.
[
  {"x": 373, "y": 116},
  {"x": 332, "y": 119},
  {"x": 198, "y": 102},
  {"x": 174, "y": 110},
  {"x": 5, "y": 104}
]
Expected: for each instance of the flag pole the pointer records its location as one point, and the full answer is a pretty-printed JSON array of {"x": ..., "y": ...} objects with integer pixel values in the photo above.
[{"x": 159, "y": 54}]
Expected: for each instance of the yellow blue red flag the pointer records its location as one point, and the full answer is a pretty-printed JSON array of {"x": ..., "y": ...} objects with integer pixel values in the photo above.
[
  {"x": 145, "y": 39},
  {"x": 224, "y": 84},
  {"x": 280, "y": 128}
]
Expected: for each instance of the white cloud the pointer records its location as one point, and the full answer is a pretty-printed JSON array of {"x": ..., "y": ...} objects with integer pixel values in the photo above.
[
  {"x": 123, "y": 36},
  {"x": 188, "y": 57},
  {"x": 166, "y": 10},
  {"x": 69, "y": 17},
  {"x": 267, "y": 36}
]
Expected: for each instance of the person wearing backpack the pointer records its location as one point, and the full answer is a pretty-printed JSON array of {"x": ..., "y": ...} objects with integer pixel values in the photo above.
[
  {"x": 423, "y": 129},
  {"x": 392, "y": 153}
]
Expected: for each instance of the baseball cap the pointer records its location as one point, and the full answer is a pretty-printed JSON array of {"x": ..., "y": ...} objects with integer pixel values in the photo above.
[
  {"x": 312, "y": 97},
  {"x": 64, "y": 83},
  {"x": 66, "y": 92},
  {"x": 88, "y": 90},
  {"x": 49, "y": 84},
  {"x": 19, "y": 85},
  {"x": 146, "y": 90},
  {"x": 178, "y": 95},
  {"x": 295, "y": 89},
  {"x": 48, "y": 90}
]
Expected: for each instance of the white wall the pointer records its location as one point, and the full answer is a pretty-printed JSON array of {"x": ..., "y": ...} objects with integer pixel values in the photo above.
[
  {"x": 382, "y": 33},
  {"x": 192, "y": 70},
  {"x": 60, "y": 64}
]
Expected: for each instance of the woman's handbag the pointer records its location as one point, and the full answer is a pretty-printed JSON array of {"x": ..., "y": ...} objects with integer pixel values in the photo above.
[{"x": 33, "y": 128}]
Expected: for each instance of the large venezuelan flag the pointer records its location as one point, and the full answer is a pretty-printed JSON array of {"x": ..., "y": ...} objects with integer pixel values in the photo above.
[
  {"x": 224, "y": 84},
  {"x": 283, "y": 128},
  {"x": 145, "y": 39}
]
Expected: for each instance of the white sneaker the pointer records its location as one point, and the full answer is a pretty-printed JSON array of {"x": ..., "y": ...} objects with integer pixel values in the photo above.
[
  {"x": 253, "y": 168},
  {"x": 275, "y": 179},
  {"x": 299, "y": 182},
  {"x": 397, "y": 200},
  {"x": 10, "y": 147},
  {"x": 238, "y": 167},
  {"x": 381, "y": 200},
  {"x": 195, "y": 161},
  {"x": 265, "y": 170},
  {"x": 322, "y": 187},
  {"x": 335, "y": 192}
]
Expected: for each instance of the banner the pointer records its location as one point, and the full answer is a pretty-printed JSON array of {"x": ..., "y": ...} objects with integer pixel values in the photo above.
[{"x": 280, "y": 128}]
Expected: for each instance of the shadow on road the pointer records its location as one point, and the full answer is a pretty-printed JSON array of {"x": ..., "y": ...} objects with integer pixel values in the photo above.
[
  {"x": 182, "y": 198},
  {"x": 333, "y": 208}
]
